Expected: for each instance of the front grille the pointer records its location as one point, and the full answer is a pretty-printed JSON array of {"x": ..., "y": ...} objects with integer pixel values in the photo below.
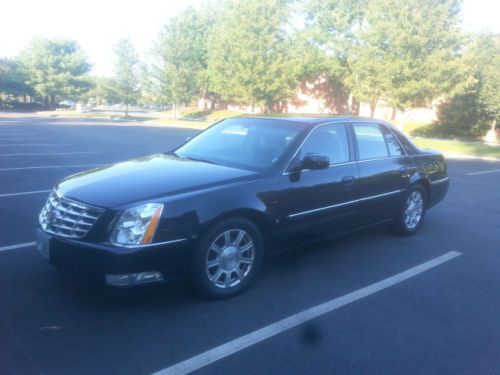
[{"x": 66, "y": 218}]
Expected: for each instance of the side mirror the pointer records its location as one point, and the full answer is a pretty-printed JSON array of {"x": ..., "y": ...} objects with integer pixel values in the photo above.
[{"x": 315, "y": 161}]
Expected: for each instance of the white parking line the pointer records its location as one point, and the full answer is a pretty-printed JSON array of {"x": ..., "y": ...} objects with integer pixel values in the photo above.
[
  {"x": 482, "y": 172},
  {"x": 54, "y": 153},
  {"x": 50, "y": 166},
  {"x": 17, "y": 246},
  {"x": 23, "y": 193},
  {"x": 37, "y": 144},
  {"x": 243, "y": 342},
  {"x": 8, "y": 134},
  {"x": 23, "y": 139}
]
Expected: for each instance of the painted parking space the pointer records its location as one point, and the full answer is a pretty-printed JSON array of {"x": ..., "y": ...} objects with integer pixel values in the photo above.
[{"x": 51, "y": 319}]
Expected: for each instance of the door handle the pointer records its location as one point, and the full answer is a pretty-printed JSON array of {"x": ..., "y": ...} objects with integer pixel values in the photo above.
[{"x": 346, "y": 180}]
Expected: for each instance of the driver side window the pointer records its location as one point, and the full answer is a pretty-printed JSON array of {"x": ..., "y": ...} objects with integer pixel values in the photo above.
[{"x": 327, "y": 140}]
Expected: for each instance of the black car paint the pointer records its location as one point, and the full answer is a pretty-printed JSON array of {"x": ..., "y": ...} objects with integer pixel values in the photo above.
[{"x": 197, "y": 194}]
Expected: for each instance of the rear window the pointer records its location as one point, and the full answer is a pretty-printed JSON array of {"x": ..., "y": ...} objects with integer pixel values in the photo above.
[
  {"x": 407, "y": 144},
  {"x": 371, "y": 142},
  {"x": 393, "y": 145}
]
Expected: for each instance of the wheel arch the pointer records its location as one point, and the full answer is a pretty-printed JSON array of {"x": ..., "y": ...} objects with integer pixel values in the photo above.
[
  {"x": 258, "y": 218},
  {"x": 427, "y": 187}
]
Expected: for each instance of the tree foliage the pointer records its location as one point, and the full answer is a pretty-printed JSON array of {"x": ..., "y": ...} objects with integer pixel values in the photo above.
[
  {"x": 12, "y": 78},
  {"x": 55, "y": 68},
  {"x": 417, "y": 48},
  {"x": 126, "y": 77},
  {"x": 471, "y": 112},
  {"x": 102, "y": 91},
  {"x": 487, "y": 71},
  {"x": 407, "y": 53},
  {"x": 251, "y": 58},
  {"x": 180, "y": 57}
]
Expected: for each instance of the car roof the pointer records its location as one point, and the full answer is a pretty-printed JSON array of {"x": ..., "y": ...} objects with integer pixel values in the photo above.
[{"x": 315, "y": 120}]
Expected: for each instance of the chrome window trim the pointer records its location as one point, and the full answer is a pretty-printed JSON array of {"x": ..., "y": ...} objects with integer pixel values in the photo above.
[
  {"x": 382, "y": 158},
  {"x": 397, "y": 139},
  {"x": 440, "y": 181},
  {"x": 285, "y": 170},
  {"x": 343, "y": 203},
  {"x": 388, "y": 128},
  {"x": 331, "y": 165}
]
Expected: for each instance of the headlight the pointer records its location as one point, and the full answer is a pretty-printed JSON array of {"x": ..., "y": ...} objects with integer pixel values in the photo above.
[{"x": 137, "y": 226}]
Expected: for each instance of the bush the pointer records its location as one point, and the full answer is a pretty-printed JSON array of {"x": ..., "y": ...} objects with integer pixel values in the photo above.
[{"x": 458, "y": 117}]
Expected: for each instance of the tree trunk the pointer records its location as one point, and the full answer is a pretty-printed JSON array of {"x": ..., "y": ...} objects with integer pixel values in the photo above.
[
  {"x": 373, "y": 107},
  {"x": 493, "y": 135},
  {"x": 394, "y": 113},
  {"x": 205, "y": 100},
  {"x": 174, "y": 110},
  {"x": 126, "y": 109},
  {"x": 354, "y": 106}
]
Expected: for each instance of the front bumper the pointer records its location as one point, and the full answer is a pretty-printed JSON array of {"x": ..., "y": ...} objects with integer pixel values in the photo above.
[{"x": 97, "y": 261}]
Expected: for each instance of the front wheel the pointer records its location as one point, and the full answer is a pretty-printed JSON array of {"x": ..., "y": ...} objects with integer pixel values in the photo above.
[
  {"x": 227, "y": 258},
  {"x": 412, "y": 212}
]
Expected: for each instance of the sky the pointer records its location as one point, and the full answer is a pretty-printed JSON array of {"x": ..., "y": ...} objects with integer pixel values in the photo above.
[{"x": 98, "y": 25}]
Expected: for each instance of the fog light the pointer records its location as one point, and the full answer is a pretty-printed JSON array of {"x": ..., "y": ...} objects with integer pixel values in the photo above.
[{"x": 134, "y": 278}]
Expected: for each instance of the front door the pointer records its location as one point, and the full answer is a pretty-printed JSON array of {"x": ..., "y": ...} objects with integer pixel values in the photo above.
[{"x": 319, "y": 202}]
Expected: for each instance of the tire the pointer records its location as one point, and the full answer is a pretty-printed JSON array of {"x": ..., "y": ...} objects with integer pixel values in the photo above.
[
  {"x": 409, "y": 219},
  {"x": 227, "y": 258}
]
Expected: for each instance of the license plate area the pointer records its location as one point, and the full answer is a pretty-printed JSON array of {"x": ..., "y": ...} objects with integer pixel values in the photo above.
[{"x": 43, "y": 244}]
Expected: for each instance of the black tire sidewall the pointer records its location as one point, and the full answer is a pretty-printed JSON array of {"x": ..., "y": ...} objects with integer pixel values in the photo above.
[
  {"x": 400, "y": 226},
  {"x": 198, "y": 272}
]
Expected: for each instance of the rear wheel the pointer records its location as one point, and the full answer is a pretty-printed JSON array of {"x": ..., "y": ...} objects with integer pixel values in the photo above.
[
  {"x": 227, "y": 258},
  {"x": 412, "y": 212}
]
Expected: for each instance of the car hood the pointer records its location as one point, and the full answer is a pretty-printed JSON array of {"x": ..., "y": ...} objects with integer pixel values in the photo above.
[{"x": 147, "y": 179}]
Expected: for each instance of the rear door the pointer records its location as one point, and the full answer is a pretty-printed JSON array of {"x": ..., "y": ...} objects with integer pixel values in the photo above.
[
  {"x": 320, "y": 202},
  {"x": 384, "y": 170}
]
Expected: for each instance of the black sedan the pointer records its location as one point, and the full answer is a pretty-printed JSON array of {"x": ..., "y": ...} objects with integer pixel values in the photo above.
[{"x": 241, "y": 189}]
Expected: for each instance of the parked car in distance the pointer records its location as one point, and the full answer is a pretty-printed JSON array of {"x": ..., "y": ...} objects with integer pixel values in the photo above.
[
  {"x": 67, "y": 104},
  {"x": 243, "y": 188}
]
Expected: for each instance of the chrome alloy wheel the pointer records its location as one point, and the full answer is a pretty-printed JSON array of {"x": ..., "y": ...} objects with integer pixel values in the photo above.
[
  {"x": 230, "y": 258},
  {"x": 414, "y": 208}
]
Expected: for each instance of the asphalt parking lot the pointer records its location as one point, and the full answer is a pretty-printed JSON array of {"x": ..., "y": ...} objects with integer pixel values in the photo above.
[{"x": 441, "y": 317}]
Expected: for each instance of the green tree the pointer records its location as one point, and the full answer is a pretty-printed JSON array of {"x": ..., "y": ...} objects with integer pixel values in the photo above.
[
  {"x": 12, "y": 79},
  {"x": 180, "y": 58},
  {"x": 487, "y": 68},
  {"x": 55, "y": 68},
  {"x": 332, "y": 26},
  {"x": 102, "y": 91},
  {"x": 251, "y": 60},
  {"x": 469, "y": 113},
  {"x": 408, "y": 53},
  {"x": 415, "y": 47},
  {"x": 126, "y": 77}
]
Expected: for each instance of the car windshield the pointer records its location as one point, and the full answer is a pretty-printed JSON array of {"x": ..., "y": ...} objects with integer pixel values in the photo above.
[{"x": 254, "y": 144}]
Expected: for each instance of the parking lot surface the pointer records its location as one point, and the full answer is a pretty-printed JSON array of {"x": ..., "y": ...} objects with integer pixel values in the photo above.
[{"x": 349, "y": 310}]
